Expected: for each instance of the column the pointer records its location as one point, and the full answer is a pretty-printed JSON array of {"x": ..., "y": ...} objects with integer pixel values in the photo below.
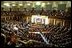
[
  {"x": 63, "y": 22},
  {"x": 5, "y": 18},
  {"x": 54, "y": 21}
]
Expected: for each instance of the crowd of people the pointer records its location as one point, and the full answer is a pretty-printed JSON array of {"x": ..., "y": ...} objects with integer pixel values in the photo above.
[
  {"x": 56, "y": 13},
  {"x": 58, "y": 36},
  {"x": 12, "y": 31}
]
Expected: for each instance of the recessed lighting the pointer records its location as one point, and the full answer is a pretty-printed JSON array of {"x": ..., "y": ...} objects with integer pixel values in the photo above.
[
  {"x": 48, "y": 3},
  {"x": 13, "y": 5},
  {"x": 28, "y": 4},
  {"x": 20, "y": 4}
]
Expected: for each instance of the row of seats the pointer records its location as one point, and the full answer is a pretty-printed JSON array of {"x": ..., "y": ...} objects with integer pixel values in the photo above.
[
  {"x": 58, "y": 36},
  {"x": 58, "y": 13},
  {"x": 7, "y": 28}
]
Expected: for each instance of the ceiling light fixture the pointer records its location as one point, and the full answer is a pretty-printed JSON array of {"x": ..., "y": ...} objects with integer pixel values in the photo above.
[
  {"x": 20, "y": 4},
  {"x": 13, "y": 5},
  {"x": 38, "y": 3},
  {"x": 7, "y": 4},
  {"x": 43, "y": 4}
]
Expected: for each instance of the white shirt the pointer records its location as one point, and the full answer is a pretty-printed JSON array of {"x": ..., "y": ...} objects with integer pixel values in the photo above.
[{"x": 15, "y": 28}]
